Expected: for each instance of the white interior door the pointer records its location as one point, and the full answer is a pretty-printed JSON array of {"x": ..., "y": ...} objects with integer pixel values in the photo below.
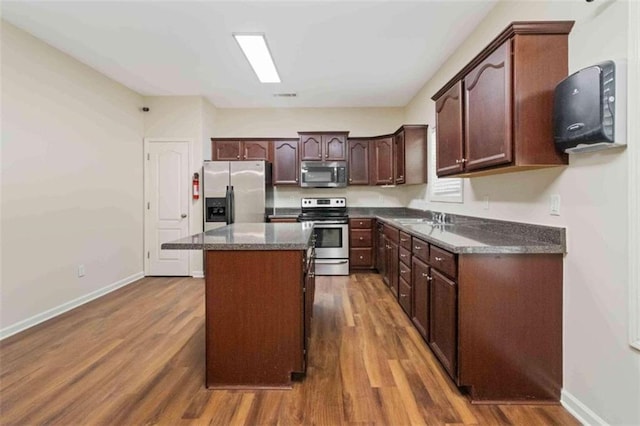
[{"x": 167, "y": 194}]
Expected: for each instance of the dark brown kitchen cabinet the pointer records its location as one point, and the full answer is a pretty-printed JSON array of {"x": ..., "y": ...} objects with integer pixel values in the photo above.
[
  {"x": 286, "y": 165},
  {"x": 399, "y": 171},
  {"x": 361, "y": 244},
  {"x": 443, "y": 316},
  {"x": 449, "y": 131},
  {"x": 238, "y": 150},
  {"x": 507, "y": 94},
  {"x": 420, "y": 282},
  {"x": 391, "y": 235},
  {"x": 487, "y": 108},
  {"x": 380, "y": 249},
  {"x": 225, "y": 150},
  {"x": 323, "y": 146},
  {"x": 404, "y": 296},
  {"x": 358, "y": 162},
  {"x": 381, "y": 161}
]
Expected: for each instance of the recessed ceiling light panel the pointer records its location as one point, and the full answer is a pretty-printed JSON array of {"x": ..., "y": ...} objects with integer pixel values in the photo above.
[{"x": 255, "y": 49}]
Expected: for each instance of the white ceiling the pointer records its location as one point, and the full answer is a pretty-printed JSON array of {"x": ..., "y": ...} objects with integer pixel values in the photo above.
[{"x": 331, "y": 53}]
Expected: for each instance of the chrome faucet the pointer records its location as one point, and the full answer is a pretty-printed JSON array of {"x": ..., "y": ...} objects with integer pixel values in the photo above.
[{"x": 440, "y": 218}]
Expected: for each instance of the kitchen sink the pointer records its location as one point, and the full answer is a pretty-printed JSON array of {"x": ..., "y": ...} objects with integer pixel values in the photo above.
[{"x": 415, "y": 220}]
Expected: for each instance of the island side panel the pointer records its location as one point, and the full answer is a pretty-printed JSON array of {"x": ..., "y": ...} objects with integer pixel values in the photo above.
[
  {"x": 510, "y": 326},
  {"x": 254, "y": 318}
]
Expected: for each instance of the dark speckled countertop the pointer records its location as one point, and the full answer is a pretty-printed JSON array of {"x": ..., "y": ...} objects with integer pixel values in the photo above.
[
  {"x": 248, "y": 236},
  {"x": 465, "y": 234}
]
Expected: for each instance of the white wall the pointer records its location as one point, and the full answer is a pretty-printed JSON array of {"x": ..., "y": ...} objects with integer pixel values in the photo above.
[
  {"x": 189, "y": 117},
  {"x": 71, "y": 182},
  {"x": 601, "y": 370}
]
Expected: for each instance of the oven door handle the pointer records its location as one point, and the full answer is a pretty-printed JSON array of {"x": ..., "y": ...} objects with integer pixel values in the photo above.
[
  {"x": 321, "y": 223},
  {"x": 330, "y": 261}
]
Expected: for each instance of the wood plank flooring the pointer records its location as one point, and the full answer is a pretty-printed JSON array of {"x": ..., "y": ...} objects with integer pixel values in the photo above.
[{"x": 136, "y": 356}]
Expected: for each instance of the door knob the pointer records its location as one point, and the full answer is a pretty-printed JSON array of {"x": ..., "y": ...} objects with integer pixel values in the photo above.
[{"x": 183, "y": 215}]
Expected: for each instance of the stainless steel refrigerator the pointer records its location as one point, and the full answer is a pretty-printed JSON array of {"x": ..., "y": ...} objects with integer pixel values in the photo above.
[{"x": 236, "y": 191}]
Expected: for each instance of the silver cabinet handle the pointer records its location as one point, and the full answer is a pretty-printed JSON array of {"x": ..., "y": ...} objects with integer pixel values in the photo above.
[
  {"x": 439, "y": 259},
  {"x": 403, "y": 255},
  {"x": 360, "y": 223},
  {"x": 361, "y": 257},
  {"x": 403, "y": 295},
  {"x": 425, "y": 275},
  {"x": 361, "y": 238},
  {"x": 183, "y": 215},
  {"x": 417, "y": 248},
  {"x": 403, "y": 239},
  {"x": 429, "y": 278}
]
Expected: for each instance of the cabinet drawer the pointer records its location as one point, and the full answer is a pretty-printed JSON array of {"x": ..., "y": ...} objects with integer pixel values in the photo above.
[
  {"x": 283, "y": 220},
  {"x": 420, "y": 250},
  {"x": 392, "y": 233},
  {"x": 443, "y": 261},
  {"x": 404, "y": 272},
  {"x": 361, "y": 223},
  {"x": 361, "y": 238},
  {"x": 361, "y": 257},
  {"x": 404, "y": 296},
  {"x": 405, "y": 256},
  {"x": 405, "y": 240}
]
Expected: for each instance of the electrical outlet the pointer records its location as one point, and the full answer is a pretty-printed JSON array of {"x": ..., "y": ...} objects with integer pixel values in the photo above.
[
  {"x": 554, "y": 204},
  {"x": 485, "y": 202},
  {"x": 81, "y": 271}
]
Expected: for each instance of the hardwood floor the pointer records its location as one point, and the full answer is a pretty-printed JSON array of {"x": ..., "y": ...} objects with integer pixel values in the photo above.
[{"x": 136, "y": 356}]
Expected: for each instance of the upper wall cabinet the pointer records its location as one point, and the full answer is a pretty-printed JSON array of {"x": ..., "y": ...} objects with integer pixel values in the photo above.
[
  {"x": 323, "y": 146},
  {"x": 399, "y": 158},
  {"x": 358, "y": 162},
  {"x": 286, "y": 165},
  {"x": 495, "y": 115},
  {"x": 241, "y": 149}
]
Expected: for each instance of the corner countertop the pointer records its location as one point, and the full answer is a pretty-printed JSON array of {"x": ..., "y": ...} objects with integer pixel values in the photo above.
[
  {"x": 248, "y": 236},
  {"x": 464, "y": 234},
  {"x": 481, "y": 236}
]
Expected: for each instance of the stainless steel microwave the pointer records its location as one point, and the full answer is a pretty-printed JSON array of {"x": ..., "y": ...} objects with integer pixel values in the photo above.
[{"x": 323, "y": 174}]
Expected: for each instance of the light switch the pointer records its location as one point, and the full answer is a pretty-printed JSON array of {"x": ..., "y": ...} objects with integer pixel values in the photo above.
[{"x": 554, "y": 205}]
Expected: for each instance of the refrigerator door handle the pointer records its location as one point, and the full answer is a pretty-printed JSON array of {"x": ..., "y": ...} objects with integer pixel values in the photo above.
[{"x": 230, "y": 205}]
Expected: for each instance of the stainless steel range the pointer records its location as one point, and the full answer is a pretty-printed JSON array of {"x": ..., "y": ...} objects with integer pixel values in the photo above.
[{"x": 331, "y": 232}]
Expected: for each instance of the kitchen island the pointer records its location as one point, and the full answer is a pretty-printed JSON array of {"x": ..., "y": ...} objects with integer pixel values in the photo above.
[{"x": 259, "y": 297}]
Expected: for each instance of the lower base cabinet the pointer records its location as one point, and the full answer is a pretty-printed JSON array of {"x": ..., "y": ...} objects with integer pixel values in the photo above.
[
  {"x": 443, "y": 322},
  {"x": 421, "y": 289},
  {"x": 494, "y": 321}
]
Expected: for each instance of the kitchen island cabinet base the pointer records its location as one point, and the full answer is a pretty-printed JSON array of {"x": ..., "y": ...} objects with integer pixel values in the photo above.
[{"x": 254, "y": 318}]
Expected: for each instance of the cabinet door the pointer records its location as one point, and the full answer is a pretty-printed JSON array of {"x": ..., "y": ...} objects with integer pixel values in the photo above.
[
  {"x": 310, "y": 147},
  {"x": 335, "y": 147},
  {"x": 392, "y": 266},
  {"x": 449, "y": 137},
  {"x": 404, "y": 296},
  {"x": 488, "y": 111},
  {"x": 286, "y": 167},
  {"x": 358, "y": 162},
  {"x": 443, "y": 319},
  {"x": 399, "y": 169},
  {"x": 382, "y": 162},
  {"x": 381, "y": 258},
  {"x": 226, "y": 150},
  {"x": 256, "y": 150},
  {"x": 421, "y": 284}
]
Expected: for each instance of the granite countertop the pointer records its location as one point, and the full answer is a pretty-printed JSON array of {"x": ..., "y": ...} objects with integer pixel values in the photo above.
[
  {"x": 476, "y": 235},
  {"x": 465, "y": 234},
  {"x": 248, "y": 236}
]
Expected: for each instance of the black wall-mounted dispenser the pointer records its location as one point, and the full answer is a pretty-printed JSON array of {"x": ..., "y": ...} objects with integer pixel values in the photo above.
[{"x": 589, "y": 109}]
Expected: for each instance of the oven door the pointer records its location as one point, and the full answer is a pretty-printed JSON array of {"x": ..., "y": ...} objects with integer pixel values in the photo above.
[{"x": 332, "y": 240}]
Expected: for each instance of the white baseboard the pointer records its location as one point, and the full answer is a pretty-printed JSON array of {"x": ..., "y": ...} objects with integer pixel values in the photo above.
[
  {"x": 54, "y": 312},
  {"x": 580, "y": 411},
  {"x": 197, "y": 274}
]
